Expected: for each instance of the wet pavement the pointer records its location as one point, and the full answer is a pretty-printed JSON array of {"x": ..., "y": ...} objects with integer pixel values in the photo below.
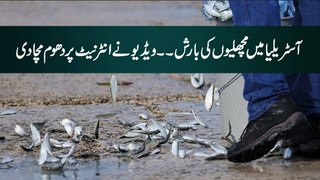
[{"x": 52, "y": 97}]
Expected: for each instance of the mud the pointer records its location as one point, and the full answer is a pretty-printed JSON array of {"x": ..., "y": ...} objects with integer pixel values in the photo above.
[{"x": 52, "y": 97}]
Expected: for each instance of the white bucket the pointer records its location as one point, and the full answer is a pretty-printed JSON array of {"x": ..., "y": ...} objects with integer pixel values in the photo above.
[{"x": 233, "y": 107}]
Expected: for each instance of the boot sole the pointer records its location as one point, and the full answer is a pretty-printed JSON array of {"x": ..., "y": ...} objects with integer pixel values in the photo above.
[{"x": 266, "y": 142}]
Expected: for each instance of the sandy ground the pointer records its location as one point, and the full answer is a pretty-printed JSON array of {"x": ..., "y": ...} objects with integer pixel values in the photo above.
[{"x": 52, "y": 97}]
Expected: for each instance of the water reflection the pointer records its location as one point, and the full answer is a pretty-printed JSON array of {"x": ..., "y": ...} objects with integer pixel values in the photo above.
[{"x": 83, "y": 169}]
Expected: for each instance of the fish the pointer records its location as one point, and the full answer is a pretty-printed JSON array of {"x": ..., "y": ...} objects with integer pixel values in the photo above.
[
  {"x": 200, "y": 154},
  {"x": 45, "y": 149},
  {"x": 193, "y": 139},
  {"x": 216, "y": 96},
  {"x": 209, "y": 99},
  {"x": 35, "y": 135},
  {"x": 182, "y": 153},
  {"x": 43, "y": 154},
  {"x": 131, "y": 134},
  {"x": 229, "y": 134},
  {"x": 219, "y": 149},
  {"x": 186, "y": 126},
  {"x": 175, "y": 147},
  {"x": 144, "y": 116},
  {"x": 46, "y": 142},
  {"x": 162, "y": 130},
  {"x": 63, "y": 144},
  {"x": 133, "y": 147},
  {"x": 197, "y": 80},
  {"x": 175, "y": 133},
  {"x": 96, "y": 130},
  {"x": 77, "y": 134},
  {"x": 113, "y": 88},
  {"x": 69, "y": 125},
  {"x": 8, "y": 112},
  {"x": 70, "y": 153},
  {"x": 6, "y": 159},
  {"x": 22, "y": 133},
  {"x": 217, "y": 9},
  {"x": 197, "y": 119},
  {"x": 210, "y": 10},
  {"x": 140, "y": 126},
  {"x": 155, "y": 151}
]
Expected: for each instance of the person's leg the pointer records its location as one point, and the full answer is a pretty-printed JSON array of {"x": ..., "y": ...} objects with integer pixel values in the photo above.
[
  {"x": 307, "y": 13},
  {"x": 263, "y": 90},
  {"x": 272, "y": 116},
  {"x": 306, "y": 87},
  {"x": 306, "y": 93},
  {"x": 255, "y": 13}
]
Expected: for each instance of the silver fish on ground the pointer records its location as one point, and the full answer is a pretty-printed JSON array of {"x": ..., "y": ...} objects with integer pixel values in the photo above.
[
  {"x": 162, "y": 130},
  {"x": 6, "y": 159},
  {"x": 219, "y": 149},
  {"x": 197, "y": 80},
  {"x": 155, "y": 151},
  {"x": 144, "y": 116},
  {"x": 70, "y": 152},
  {"x": 69, "y": 125},
  {"x": 77, "y": 134},
  {"x": 8, "y": 112},
  {"x": 132, "y": 134},
  {"x": 229, "y": 137},
  {"x": 183, "y": 153},
  {"x": 217, "y": 9},
  {"x": 21, "y": 132},
  {"x": 216, "y": 96},
  {"x": 209, "y": 98},
  {"x": 113, "y": 88},
  {"x": 193, "y": 139},
  {"x": 197, "y": 119},
  {"x": 45, "y": 149},
  {"x": 212, "y": 156},
  {"x": 96, "y": 130},
  {"x": 185, "y": 126},
  {"x": 175, "y": 147},
  {"x": 63, "y": 144},
  {"x": 36, "y": 139},
  {"x": 131, "y": 147}
]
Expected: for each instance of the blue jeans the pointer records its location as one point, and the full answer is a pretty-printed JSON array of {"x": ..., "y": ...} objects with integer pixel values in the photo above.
[{"x": 263, "y": 90}]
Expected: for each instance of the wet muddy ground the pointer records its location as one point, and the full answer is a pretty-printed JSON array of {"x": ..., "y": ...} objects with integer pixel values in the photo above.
[{"x": 52, "y": 97}]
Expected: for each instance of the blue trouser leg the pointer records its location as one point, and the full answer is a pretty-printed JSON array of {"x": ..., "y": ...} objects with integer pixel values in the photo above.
[
  {"x": 308, "y": 13},
  {"x": 262, "y": 90},
  {"x": 255, "y": 12},
  {"x": 306, "y": 92}
]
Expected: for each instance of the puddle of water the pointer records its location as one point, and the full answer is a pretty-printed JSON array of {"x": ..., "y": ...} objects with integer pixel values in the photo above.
[{"x": 84, "y": 169}]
